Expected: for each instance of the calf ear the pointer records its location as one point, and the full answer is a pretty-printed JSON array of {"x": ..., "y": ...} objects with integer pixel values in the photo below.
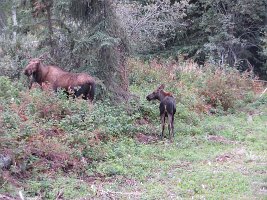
[{"x": 161, "y": 87}]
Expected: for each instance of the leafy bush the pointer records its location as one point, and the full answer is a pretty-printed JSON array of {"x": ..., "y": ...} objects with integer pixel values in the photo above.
[
  {"x": 110, "y": 119},
  {"x": 260, "y": 101},
  {"x": 46, "y": 133},
  {"x": 7, "y": 89},
  {"x": 68, "y": 188},
  {"x": 14, "y": 54},
  {"x": 225, "y": 87}
]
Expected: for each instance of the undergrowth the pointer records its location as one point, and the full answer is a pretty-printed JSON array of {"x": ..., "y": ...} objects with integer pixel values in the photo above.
[{"x": 74, "y": 149}]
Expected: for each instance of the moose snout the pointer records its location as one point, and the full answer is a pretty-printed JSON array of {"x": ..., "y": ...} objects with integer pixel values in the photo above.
[
  {"x": 148, "y": 98},
  {"x": 26, "y": 72}
]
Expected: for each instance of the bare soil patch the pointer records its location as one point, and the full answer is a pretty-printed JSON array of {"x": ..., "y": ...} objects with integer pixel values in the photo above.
[
  {"x": 219, "y": 139},
  {"x": 146, "y": 139}
]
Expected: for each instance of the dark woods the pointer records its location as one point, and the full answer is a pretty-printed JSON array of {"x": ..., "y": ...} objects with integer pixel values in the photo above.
[
  {"x": 167, "y": 108},
  {"x": 79, "y": 84}
]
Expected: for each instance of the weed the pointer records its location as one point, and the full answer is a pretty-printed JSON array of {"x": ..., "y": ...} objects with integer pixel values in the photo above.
[{"x": 50, "y": 188}]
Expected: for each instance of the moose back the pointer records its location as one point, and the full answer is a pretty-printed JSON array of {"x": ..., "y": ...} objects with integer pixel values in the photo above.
[{"x": 80, "y": 83}]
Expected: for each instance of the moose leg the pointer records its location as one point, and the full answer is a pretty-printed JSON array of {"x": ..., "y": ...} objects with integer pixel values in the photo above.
[
  {"x": 170, "y": 125},
  {"x": 30, "y": 84},
  {"x": 169, "y": 129},
  {"x": 162, "y": 118},
  {"x": 32, "y": 80}
]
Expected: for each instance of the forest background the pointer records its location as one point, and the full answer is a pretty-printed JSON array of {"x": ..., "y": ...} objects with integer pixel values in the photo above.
[
  {"x": 210, "y": 54},
  {"x": 98, "y": 36}
]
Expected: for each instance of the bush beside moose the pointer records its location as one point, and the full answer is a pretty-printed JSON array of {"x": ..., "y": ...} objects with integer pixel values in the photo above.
[{"x": 82, "y": 84}]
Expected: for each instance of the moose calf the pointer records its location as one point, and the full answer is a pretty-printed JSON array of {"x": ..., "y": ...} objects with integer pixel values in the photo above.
[{"x": 167, "y": 108}]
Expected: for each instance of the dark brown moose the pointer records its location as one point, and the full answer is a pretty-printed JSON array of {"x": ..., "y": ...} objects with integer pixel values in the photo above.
[
  {"x": 80, "y": 84},
  {"x": 167, "y": 108}
]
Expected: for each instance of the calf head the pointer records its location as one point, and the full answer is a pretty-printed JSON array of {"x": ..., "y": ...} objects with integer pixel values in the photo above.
[{"x": 156, "y": 94}]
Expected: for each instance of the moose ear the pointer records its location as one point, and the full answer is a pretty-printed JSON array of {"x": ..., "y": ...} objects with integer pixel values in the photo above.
[
  {"x": 162, "y": 86},
  {"x": 36, "y": 66}
]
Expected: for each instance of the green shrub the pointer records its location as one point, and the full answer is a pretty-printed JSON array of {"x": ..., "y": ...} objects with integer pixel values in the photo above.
[
  {"x": 260, "y": 101},
  {"x": 110, "y": 119},
  {"x": 8, "y": 91},
  {"x": 46, "y": 133},
  {"x": 226, "y": 87},
  {"x": 48, "y": 188}
]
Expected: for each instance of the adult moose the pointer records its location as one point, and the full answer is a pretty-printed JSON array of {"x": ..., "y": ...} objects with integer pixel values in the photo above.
[
  {"x": 80, "y": 83},
  {"x": 167, "y": 108}
]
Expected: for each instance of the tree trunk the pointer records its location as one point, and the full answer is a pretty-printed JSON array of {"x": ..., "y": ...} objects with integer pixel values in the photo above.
[
  {"x": 15, "y": 22},
  {"x": 50, "y": 29},
  {"x": 3, "y": 20}
]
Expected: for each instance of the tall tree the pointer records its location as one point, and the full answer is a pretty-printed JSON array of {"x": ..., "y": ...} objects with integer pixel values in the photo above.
[
  {"x": 150, "y": 25},
  {"x": 226, "y": 32},
  {"x": 100, "y": 41}
]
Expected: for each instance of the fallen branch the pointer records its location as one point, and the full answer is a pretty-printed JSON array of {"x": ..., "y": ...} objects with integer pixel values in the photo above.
[
  {"x": 263, "y": 92},
  {"x": 21, "y": 195},
  {"x": 121, "y": 193},
  {"x": 59, "y": 195}
]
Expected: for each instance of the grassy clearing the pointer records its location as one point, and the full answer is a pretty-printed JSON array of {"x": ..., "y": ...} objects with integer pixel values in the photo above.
[
  {"x": 66, "y": 149},
  {"x": 195, "y": 167},
  {"x": 191, "y": 167}
]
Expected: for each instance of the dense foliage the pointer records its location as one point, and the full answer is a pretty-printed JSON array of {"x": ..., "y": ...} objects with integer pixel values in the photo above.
[
  {"x": 97, "y": 36},
  {"x": 68, "y": 147},
  {"x": 228, "y": 32},
  {"x": 208, "y": 53}
]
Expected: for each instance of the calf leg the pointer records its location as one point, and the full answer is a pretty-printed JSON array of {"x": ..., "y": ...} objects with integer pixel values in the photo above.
[
  {"x": 170, "y": 125},
  {"x": 169, "y": 129},
  {"x": 162, "y": 119}
]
